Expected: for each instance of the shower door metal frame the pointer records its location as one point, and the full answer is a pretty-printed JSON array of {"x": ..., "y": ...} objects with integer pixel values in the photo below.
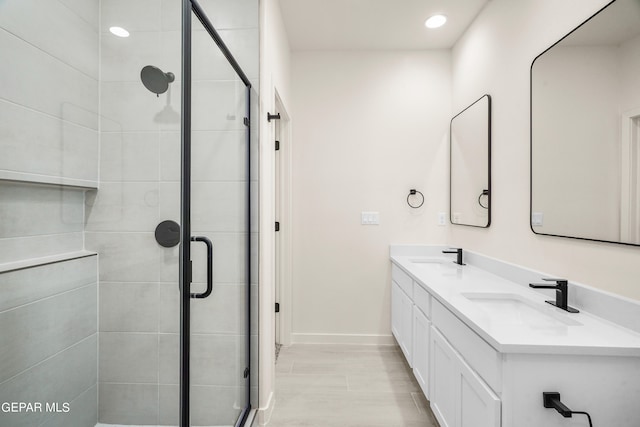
[{"x": 192, "y": 8}]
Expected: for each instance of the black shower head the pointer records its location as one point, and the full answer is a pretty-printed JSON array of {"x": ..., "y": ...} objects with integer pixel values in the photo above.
[{"x": 155, "y": 79}]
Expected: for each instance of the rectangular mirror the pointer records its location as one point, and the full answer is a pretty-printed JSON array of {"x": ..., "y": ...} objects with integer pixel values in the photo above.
[
  {"x": 585, "y": 122},
  {"x": 470, "y": 165}
]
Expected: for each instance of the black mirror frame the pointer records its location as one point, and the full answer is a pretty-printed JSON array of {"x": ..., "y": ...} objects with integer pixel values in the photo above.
[
  {"x": 489, "y": 193},
  {"x": 531, "y": 140}
]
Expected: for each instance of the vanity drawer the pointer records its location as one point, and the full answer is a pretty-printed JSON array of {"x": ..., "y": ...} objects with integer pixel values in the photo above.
[
  {"x": 483, "y": 358},
  {"x": 402, "y": 279},
  {"x": 422, "y": 299}
]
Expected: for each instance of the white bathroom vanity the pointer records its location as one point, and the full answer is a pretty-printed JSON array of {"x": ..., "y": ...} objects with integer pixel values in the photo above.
[{"x": 484, "y": 346}]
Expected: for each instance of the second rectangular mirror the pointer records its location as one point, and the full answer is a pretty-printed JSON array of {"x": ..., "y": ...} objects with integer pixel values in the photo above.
[{"x": 470, "y": 168}]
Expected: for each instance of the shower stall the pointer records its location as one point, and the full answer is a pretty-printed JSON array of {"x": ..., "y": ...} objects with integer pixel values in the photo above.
[{"x": 128, "y": 212}]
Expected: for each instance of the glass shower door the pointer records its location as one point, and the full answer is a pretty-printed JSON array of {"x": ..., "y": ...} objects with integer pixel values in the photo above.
[{"x": 215, "y": 246}]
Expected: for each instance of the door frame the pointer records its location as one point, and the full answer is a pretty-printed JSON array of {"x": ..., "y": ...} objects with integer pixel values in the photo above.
[{"x": 283, "y": 212}]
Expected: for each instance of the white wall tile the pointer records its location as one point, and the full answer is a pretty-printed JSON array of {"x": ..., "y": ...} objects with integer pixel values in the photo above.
[
  {"x": 211, "y": 405},
  {"x": 33, "y": 142},
  {"x": 84, "y": 412},
  {"x": 222, "y": 312},
  {"x": 133, "y": 108},
  {"x": 243, "y": 44},
  {"x": 53, "y": 324},
  {"x": 24, "y": 286},
  {"x": 130, "y": 157},
  {"x": 218, "y": 359},
  {"x": 128, "y": 357},
  {"x": 126, "y": 257},
  {"x": 123, "y": 206},
  {"x": 122, "y": 59},
  {"x": 218, "y": 105},
  {"x": 54, "y": 28},
  {"x": 37, "y": 80},
  {"x": 89, "y": 10},
  {"x": 128, "y": 404},
  {"x": 222, "y": 13},
  {"x": 215, "y": 156},
  {"x": 138, "y": 15},
  {"x": 61, "y": 378},
  {"x": 208, "y": 62},
  {"x": 22, "y": 248},
  {"x": 216, "y": 206},
  {"x": 30, "y": 210},
  {"x": 130, "y": 307}
]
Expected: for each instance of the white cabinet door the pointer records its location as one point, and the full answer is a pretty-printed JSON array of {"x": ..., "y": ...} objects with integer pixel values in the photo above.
[
  {"x": 442, "y": 381},
  {"x": 459, "y": 398},
  {"x": 421, "y": 331},
  {"x": 406, "y": 330},
  {"x": 402, "y": 319},
  {"x": 478, "y": 405},
  {"x": 396, "y": 309}
]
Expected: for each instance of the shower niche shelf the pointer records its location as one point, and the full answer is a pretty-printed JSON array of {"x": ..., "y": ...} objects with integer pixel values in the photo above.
[
  {"x": 48, "y": 180},
  {"x": 37, "y": 262}
]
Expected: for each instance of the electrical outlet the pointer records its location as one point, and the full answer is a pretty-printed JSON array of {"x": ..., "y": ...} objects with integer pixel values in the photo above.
[
  {"x": 442, "y": 218},
  {"x": 370, "y": 218},
  {"x": 537, "y": 218}
]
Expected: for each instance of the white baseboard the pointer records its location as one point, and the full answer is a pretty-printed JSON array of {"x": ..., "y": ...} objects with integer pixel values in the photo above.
[
  {"x": 264, "y": 413},
  {"x": 368, "y": 339}
]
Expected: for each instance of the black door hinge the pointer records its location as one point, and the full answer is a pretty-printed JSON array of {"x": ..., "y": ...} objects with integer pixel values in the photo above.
[
  {"x": 277, "y": 307},
  {"x": 277, "y": 145},
  {"x": 246, "y": 372},
  {"x": 246, "y": 121},
  {"x": 277, "y": 226}
]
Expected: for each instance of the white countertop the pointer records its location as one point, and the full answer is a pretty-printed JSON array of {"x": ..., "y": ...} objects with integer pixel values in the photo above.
[{"x": 476, "y": 297}]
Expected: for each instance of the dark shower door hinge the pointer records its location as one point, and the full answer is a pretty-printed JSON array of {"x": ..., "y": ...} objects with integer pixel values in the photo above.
[
  {"x": 246, "y": 121},
  {"x": 277, "y": 307},
  {"x": 277, "y": 226},
  {"x": 277, "y": 145},
  {"x": 246, "y": 372}
]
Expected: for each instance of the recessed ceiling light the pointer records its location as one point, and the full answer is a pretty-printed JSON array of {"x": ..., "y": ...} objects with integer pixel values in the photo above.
[
  {"x": 435, "y": 21},
  {"x": 119, "y": 31}
]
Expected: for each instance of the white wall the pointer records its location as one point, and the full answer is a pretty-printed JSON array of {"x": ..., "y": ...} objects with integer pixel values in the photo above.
[
  {"x": 274, "y": 78},
  {"x": 368, "y": 127},
  {"x": 494, "y": 57}
]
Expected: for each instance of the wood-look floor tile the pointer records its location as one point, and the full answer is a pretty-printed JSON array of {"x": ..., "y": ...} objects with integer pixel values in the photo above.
[{"x": 347, "y": 386}]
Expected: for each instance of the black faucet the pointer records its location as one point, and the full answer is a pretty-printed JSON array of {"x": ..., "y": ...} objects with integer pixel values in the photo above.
[
  {"x": 562, "y": 293},
  {"x": 457, "y": 251}
]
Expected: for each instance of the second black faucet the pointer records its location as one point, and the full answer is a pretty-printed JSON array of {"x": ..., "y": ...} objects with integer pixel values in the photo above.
[{"x": 457, "y": 251}]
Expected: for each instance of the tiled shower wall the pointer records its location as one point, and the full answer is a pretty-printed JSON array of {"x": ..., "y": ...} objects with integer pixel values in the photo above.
[
  {"x": 139, "y": 188},
  {"x": 49, "y": 156},
  {"x": 62, "y": 68}
]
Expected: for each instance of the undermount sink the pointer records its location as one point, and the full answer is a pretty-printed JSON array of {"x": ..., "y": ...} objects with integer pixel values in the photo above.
[
  {"x": 427, "y": 260},
  {"x": 515, "y": 310}
]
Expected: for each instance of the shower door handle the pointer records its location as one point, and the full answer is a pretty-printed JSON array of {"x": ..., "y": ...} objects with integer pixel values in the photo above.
[{"x": 207, "y": 242}]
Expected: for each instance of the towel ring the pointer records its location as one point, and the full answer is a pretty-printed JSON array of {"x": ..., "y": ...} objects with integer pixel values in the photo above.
[{"x": 413, "y": 192}]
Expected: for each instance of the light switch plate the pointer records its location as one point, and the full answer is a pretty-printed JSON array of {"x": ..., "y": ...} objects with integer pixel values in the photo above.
[
  {"x": 370, "y": 218},
  {"x": 442, "y": 218}
]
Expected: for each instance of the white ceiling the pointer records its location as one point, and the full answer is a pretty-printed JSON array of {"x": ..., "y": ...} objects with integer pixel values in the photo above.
[{"x": 375, "y": 24}]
